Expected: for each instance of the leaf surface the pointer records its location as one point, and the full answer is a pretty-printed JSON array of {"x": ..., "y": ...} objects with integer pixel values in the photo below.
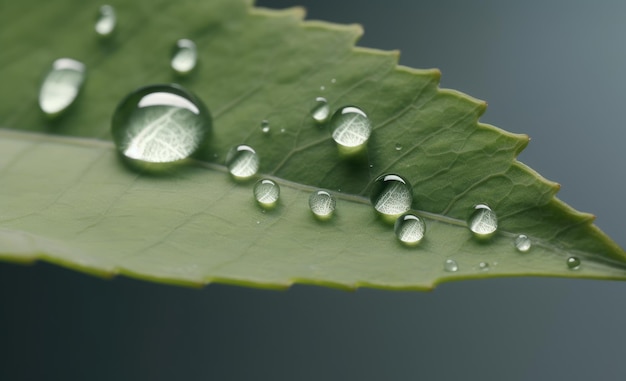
[{"x": 69, "y": 200}]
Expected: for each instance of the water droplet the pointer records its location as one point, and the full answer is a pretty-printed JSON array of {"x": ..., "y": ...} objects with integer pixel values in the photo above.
[
  {"x": 573, "y": 263},
  {"x": 410, "y": 229},
  {"x": 483, "y": 266},
  {"x": 282, "y": 130},
  {"x": 266, "y": 193},
  {"x": 105, "y": 21},
  {"x": 160, "y": 124},
  {"x": 265, "y": 127},
  {"x": 322, "y": 88},
  {"x": 351, "y": 128},
  {"x": 398, "y": 147},
  {"x": 391, "y": 196},
  {"x": 522, "y": 243},
  {"x": 450, "y": 265},
  {"x": 483, "y": 222},
  {"x": 61, "y": 85},
  {"x": 184, "y": 56},
  {"x": 333, "y": 80},
  {"x": 322, "y": 204},
  {"x": 242, "y": 162},
  {"x": 321, "y": 110}
]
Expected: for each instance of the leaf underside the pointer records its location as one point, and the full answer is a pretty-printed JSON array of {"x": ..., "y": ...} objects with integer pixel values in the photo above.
[{"x": 67, "y": 199}]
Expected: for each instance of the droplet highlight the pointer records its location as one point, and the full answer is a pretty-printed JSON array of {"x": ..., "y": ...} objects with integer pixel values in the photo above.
[
  {"x": 184, "y": 56},
  {"x": 522, "y": 243},
  {"x": 61, "y": 86},
  {"x": 106, "y": 20},
  {"x": 410, "y": 229},
  {"x": 242, "y": 162},
  {"x": 483, "y": 222},
  {"x": 160, "y": 124},
  {"x": 322, "y": 204},
  {"x": 450, "y": 265},
  {"x": 398, "y": 147},
  {"x": 391, "y": 196},
  {"x": 573, "y": 263},
  {"x": 265, "y": 127},
  {"x": 351, "y": 129},
  {"x": 266, "y": 193},
  {"x": 321, "y": 110}
]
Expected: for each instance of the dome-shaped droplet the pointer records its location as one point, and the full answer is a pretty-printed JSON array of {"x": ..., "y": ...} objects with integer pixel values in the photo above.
[
  {"x": 573, "y": 263},
  {"x": 160, "y": 124},
  {"x": 391, "y": 195},
  {"x": 522, "y": 243},
  {"x": 351, "y": 128},
  {"x": 483, "y": 222},
  {"x": 398, "y": 147},
  {"x": 61, "y": 86},
  {"x": 450, "y": 265},
  {"x": 410, "y": 229},
  {"x": 483, "y": 266},
  {"x": 242, "y": 162},
  {"x": 321, "y": 110},
  {"x": 266, "y": 193},
  {"x": 105, "y": 21},
  {"x": 322, "y": 204},
  {"x": 265, "y": 127},
  {"x": 184, "y": 56}
]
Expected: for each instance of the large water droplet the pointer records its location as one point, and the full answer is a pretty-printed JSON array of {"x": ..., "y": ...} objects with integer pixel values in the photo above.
[
  {"x": 105, "y": 21},
  {"x": 409, "y": 229},
  {"x": 184, "y": 56},
  {"x": 242, "y": 162},
  {"x": 321, "y": 110},
  {"x": 450, "y": 265},
  {"x": 391, "y": 196},
  {"x": 351, "y": 129},
  {"x": 266, "y": 193},
  {"x": 522, "y": 243},
  {"x": 61, "y": 85},
  {"x": 322, "y": 204},
  {"x": 265, "y": 127},
  {"x": 160, "y": 124},
  {"x": 483, "y": 222},
  {"x": 573, "y": 263}
]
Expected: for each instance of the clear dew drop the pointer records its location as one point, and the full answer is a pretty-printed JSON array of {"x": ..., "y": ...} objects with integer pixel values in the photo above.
[
  {"x": 450, "y": 265},
  {"x": 266, "y": 193},
  {"x": 522, "y": 243},
  {"x": 160, "y": 124},
  {"x": 483, "y": 222},
  {"x": 391, "y": 195},
  {"x": 351, "y": 128},
  {"x": 573, "y": 263},
  {"x": 398, "y": 147},
  {"x": 409, "y": 229},
  {"x": 105, "y": 21},
  {"x": 321, "y": 110},
  {"x": 61, "y": 86},
  {"x": 184, "y": 56},
  {"x": 265, "y": 127},
  {"x": 242, "y": 162},
  {"x": 322, "y": 204}
]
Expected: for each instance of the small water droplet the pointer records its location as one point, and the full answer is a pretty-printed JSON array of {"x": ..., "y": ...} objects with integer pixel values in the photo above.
[
  {"x": 265, "y": 127},
  {"x": 351, "y": 128},
  {"x": 450, "y": 265},
  {"x": 321, "y": 110},
  {"x": 266, "y": 193},
  {"x": 61, "y": 85},
  {"x": 333, "y": 80},
  {"x": 105, "y": 21},
  {"x": 398, "y": 147},
  {"x": 483, "y": 222},
  {"x": 391, "y": 196},
  {"x": 160, "y": 124},
  {"x": 322, "y": 88},
  {"x": 410, "y": 229},
  {"x": 322, "y": 204},
  {"x": 573, "y": 263},
  {"x": 282, "y": 130},
  {"x": 483, "y": 266},
  {"x": 522, "y": 243},
  {"x": 184, "y": 56},
  {"x": 242, "y": 162}
]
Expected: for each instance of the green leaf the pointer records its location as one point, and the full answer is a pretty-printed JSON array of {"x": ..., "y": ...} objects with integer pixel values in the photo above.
[{"x": 66, "y": 198}]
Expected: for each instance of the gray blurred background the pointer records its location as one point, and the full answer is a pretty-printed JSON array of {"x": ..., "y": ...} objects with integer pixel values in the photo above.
[{"x": 551, "y": 69}]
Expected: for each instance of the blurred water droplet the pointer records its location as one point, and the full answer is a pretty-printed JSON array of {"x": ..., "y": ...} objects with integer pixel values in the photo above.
[
  {"x": 242, "y": 162},
  {"x": 61, "y": 86},
  {"x": 398, "y": 147},
  {"x": 450, "y": 265},
  {"x": 483, "y": 266},
  {"x": 105, "y": 21},
  {"x": 184, "y": 56},
  {"x": 573, "y": 263},
  {"x": 321, "y": 110},
  {"x": 265, "y": 127}
]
